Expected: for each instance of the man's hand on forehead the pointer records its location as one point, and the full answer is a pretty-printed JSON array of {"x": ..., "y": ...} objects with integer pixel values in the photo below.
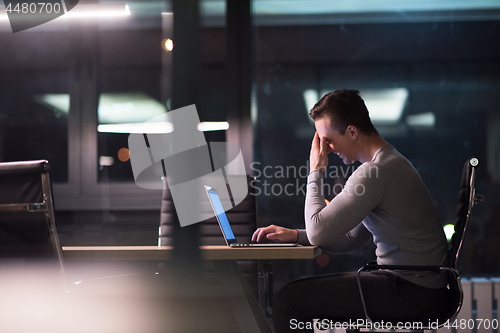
[{"x": 318, "y": 158}]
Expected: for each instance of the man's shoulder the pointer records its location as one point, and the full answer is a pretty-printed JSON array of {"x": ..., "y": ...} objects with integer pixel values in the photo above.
[
  {"x": 387, "y": 163},
  {"x": 390, "y": 158},
  {"x": 395, "y": 168}
]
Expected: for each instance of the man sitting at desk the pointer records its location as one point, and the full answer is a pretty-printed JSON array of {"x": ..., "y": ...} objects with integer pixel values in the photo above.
[{"x": 384, "y": 200}]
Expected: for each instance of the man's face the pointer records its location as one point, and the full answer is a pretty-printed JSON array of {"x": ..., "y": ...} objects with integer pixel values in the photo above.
[{"x": 342, "y": 145}]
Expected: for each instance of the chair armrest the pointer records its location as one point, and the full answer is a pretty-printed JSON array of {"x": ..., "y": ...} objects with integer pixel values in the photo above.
[{"x": 372, "y": 266}]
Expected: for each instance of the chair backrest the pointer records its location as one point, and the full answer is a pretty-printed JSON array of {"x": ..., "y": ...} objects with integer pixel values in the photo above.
[
  {"x": 466, "y": 199},
  {"x": 28, "y": 233},
  {"x": 32, "y": 275}
]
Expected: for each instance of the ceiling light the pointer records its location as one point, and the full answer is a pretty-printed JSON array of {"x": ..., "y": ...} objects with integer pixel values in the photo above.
[
  {"x": 147, "y": 128},
  {"x": 98, "y": 10},
  {"x": 106, "y": 160},
  {"x": 128, "y": 107},
  {"x": 427, "y": 119},
  {"x": 384, "y": 105},
  {"x": 129, "y": 112},
  {"x": 206, "y": 126},
  {"x": 88, "y": 10},
  {"x": 160, "y": 127},
  {"x": 310, "y": 98},
  {"x": 59, "y": 102}
]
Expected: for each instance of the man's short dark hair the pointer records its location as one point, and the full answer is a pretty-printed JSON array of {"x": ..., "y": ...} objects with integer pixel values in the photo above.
[{"x": 344, "y": 107}]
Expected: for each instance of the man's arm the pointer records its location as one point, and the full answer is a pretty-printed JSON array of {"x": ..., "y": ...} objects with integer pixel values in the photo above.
[
  {"x": 361, "y": 194},
  {"x": 350, "y": 242}
]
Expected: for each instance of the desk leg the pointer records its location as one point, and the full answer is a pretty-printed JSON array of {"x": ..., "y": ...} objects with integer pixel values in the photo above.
[
  {"x": 245, "y": 307},
  {"x": 266, "y": 287}
]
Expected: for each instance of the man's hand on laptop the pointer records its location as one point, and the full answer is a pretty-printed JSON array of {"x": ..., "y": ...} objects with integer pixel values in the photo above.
[{"x": 276, "y": 234}]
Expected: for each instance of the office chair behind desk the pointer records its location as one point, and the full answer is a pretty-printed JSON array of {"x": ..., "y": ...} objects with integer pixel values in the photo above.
[
  {"x": 32, "y": 275},
  {"x": 466, "y": 200},
  {"x": 28, "y": 233}
]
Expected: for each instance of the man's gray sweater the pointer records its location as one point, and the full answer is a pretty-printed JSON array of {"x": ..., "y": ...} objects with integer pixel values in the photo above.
[{"x": 386, "y": 200}]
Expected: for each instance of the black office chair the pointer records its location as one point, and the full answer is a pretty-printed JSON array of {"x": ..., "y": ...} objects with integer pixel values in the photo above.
[
  {"x": 466, "y": 200},
  {"x": 27, "y": 226},
  {"x": 32, "y": 271}
]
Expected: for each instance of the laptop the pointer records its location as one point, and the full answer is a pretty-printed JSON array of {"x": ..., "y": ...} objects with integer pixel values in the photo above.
[{"x": 225, "y": 227}]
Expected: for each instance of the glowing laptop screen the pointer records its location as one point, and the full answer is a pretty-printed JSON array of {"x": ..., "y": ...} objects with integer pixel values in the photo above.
[{"x": 221, "y": 214}]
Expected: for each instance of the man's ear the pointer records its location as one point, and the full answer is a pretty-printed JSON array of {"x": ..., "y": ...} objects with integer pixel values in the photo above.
[{"x": 353, "y": 132}]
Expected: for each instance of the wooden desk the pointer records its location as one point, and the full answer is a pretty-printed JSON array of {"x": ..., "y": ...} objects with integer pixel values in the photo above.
[
  {"x": 208, "y": 252},
  {"x": 245, "y": 307}
]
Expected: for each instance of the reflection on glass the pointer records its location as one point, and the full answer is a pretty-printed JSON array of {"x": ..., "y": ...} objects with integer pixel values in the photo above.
[
  {"x": 34, "y": 119},
  {"x": 127, "y": 107},
  {"x": 385, "y": 105},
  {"x": 120, "y": 114},
  {"x": 428, "y": 74}
]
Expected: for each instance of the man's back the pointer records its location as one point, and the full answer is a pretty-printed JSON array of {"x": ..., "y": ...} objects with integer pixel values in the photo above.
[{"x": 405, "y": 224}]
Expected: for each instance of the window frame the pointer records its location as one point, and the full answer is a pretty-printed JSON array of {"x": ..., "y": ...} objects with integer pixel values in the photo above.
[{"x": 83, "y": 191}]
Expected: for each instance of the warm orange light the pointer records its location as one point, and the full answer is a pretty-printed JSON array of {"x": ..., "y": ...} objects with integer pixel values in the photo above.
[
  {"x": 123, "y": 154},
  {"x": 167, "y": 44}
]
